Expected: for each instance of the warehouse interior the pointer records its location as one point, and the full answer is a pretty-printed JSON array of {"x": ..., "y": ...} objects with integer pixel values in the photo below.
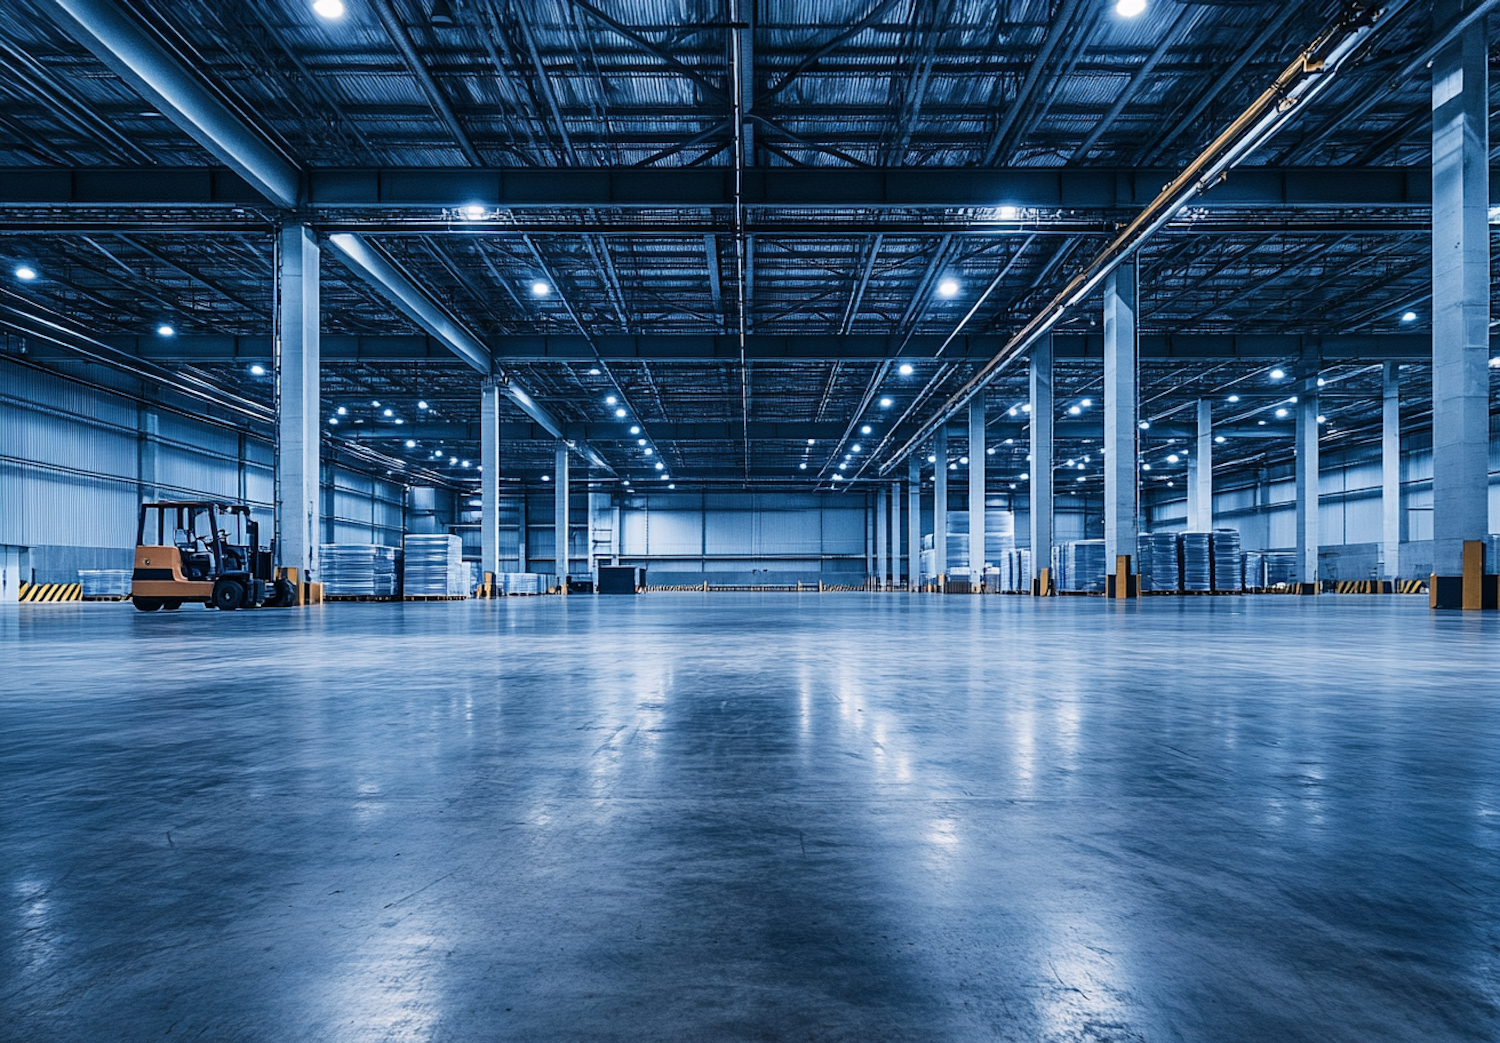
[{"x": 756, "y": 519}]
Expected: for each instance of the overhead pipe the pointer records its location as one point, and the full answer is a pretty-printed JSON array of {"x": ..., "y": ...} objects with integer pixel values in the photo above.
[
  {"x": 737, "y": 89},
  {"x": 123, "y": 45},
  {"x": 1312, "y": 71},
  {"x": 30, "y": 325},
  {"x": 155, "y": 74}
]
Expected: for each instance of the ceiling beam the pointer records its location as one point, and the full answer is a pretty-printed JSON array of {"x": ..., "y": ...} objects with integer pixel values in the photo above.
[
  {"x": 336, "y": 347},
  {"x": 766, "y": 431},
  {"x": 264, "y": 172},
  {"x": 142, "y": 61},
  {"x": 157, "y": 76},
  {"x": 684, "y": 431}
]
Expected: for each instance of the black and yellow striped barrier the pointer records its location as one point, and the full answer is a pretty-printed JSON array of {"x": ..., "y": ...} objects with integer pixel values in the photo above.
[
  {"x": 1375, "y": 586},
  {"x": 1362, "y": 586},
  {"x": 38, "y": 593}
]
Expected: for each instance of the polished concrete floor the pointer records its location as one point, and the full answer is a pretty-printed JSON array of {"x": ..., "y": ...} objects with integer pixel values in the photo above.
[{"x": 752, "y": 817}]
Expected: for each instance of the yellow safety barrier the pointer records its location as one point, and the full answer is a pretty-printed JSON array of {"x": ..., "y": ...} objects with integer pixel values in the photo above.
[
  {"x": 38, "y": 593},
  {"x": 1360, "y": 586}
]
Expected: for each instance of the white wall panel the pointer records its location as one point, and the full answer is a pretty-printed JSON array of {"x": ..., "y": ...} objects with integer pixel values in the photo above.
[
  {"x": 729, "y": 532},
  {"x": 843, "y": 530},
  {"x": 797, "y": 531},
  {"x": 675, "y": 532}
]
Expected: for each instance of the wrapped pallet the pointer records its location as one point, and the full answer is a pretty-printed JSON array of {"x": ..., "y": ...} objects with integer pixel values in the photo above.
[{"x": 434, "y": 567}]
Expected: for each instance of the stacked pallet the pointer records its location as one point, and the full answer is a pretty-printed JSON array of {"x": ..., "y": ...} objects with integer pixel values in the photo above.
[
  {"x": 357, "y": 570},
  {"x": 522, "y": 583},
  {"x": 1082, "y": 566},
  {"x": 434, "y": 567},
  {"x": 1253, "y": 574},
  {"x": 1228, "y": 562},
  {"x": 1157, "y": 562},
  {"x": 1281, "y": 568},
  {"x": 105, "y": 584},
  {"x": 1197, "y": 563},
  {"x": 1015, "y": 570}
]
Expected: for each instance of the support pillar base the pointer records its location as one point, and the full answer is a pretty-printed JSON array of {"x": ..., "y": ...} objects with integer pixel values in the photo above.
[
  {"x": 1122, "y": 583},
  {"x": 1451, "y": 592},
  {"x": 1042, "y": 586},
  {"x": 1473, "y": 591}
]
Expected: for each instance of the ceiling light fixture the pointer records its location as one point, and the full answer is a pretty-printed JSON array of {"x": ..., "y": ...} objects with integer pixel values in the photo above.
[
  {"x": 329, "y": 9},
  {"x": 1130, "y": 8},
  {"x": 25, "y": 273},
  {"x": 948, "y": 288},
  {"x": 540, "y": 289},
  {"x": 166, "y": 331}
]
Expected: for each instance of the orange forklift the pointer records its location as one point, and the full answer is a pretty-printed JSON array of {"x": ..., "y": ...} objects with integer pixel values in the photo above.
[{"x": 194, "y": 559}]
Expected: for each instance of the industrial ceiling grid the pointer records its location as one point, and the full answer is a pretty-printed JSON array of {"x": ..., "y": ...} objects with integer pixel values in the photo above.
[{"x": 876, "y": 82}]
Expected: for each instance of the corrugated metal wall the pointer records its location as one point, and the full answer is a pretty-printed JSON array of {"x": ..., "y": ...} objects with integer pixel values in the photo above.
[
  {"x": 744, "y": 531},
  {"x": 1349, "y": 508},
  {"x": 75, "y": 460}
]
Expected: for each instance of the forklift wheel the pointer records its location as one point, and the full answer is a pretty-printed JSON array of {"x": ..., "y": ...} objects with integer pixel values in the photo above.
[
  {"x": 228, "y": 595},
  {"x": 284, "y": 594},
  {"x": 146, "y": 604},
  {"x": 171, "y": 606}
]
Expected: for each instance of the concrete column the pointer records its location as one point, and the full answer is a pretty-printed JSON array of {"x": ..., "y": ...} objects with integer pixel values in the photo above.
[
  {"x": 560, "y": 491},
  {"x": 489, "y": 477},
  {"x": 1120, "y": 416},
  {"x": 328, "y": 515},
  {"x": 298, "y": 429},
  {"x": 148, "y": 438},
  {"x": 1202, "y": 493},
  {"x": 940, "y": 504},
  {"x": 1460, "y": 293},
  {"x": 869, "y": 536},
  {"x": 521, "y": 556},
  {"x": 1041, "y": 455},
  {"x": 976, "y": 488},
  {"x": 914, "y": 522},
  {"x": 1307, "y": 482},
  {"x": 10, "y": 574},
  {"x": 880, "y": 540},
  {"x": 895, "y": 535},
  {"x": 1390, "y": 472}
]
